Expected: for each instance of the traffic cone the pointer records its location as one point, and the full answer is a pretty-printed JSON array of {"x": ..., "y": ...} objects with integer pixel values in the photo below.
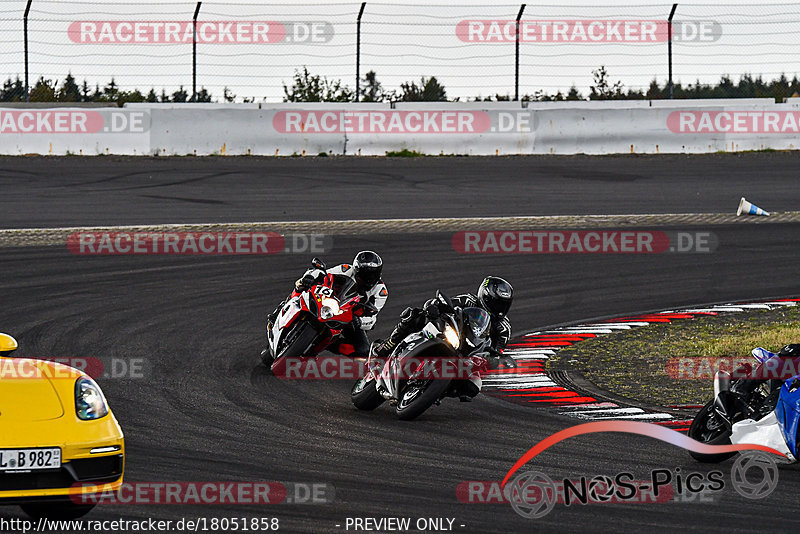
[{"x": 747, "y": 208}]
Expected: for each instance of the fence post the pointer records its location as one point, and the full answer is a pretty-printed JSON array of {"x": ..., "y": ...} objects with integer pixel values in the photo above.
[
  {"x": 358, "y": 49},
  {"x": 194, "y": 52},
  {"x": 25, "y": 29},
  {"x": 669, "y": 46},
  {"x": 516, "y": 63}
]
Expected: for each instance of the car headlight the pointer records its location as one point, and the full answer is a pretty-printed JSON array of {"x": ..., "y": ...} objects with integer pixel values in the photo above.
[
  {"x": 330, "y": 307},
  {"x": 451, "y": 336},
  {"x": 89, "y": 401}
]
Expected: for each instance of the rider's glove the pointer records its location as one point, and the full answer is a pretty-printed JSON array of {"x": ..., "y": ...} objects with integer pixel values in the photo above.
[
  {"x": 356, "y": 321},
  {"x": 304, "y": 283},
  {"x": 498, "y": 360},
  {"x": 410, "y": 315},
  {"x": 508, "y": 362}
]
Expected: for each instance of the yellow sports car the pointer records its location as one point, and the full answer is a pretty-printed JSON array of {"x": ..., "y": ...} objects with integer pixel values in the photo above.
[{"x": 58, "y": 438}]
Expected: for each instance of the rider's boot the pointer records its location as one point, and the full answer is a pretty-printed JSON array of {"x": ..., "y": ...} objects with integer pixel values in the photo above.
[
  {"x": 408, "y": 321},
  {"x": 383, "y": 350},
  {"x": 375, "y": 362}
]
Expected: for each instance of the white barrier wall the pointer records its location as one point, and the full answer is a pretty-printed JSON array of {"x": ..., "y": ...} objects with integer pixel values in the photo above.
[
  {"x": 476, "y": 128},
  {"x": 80, "y": 131}
]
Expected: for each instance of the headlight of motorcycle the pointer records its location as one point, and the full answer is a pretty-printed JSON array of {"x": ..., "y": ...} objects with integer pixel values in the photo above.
[
  {"x": 451, "y": 336},
  {"x": 89, "y": 401},
  {"x": 330, "y": 307}
]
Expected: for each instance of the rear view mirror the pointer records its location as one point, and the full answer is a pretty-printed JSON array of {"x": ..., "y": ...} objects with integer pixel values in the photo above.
[
  {"x": 444, "y": 299},
  {"x": 319, "y": 264}
]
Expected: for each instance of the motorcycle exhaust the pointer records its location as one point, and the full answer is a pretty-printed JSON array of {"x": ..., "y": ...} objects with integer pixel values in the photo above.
[
  {"x": 724, "y": 401},
  {"x": 722, "y": 382}
]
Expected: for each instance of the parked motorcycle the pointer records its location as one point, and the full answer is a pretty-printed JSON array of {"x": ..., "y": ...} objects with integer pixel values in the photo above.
[
  {"x": 714, "y": 423},
  {"x": 430, "y": 364},
  {"x": 310, "y": 321}
]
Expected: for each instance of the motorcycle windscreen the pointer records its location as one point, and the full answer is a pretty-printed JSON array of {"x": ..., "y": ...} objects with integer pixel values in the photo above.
[
  {"x": 478, "y": 323},
  {"x": 788, "y": 412},
  {"x": 761, "y": 354},
  {"x": 342, "y": 286}
]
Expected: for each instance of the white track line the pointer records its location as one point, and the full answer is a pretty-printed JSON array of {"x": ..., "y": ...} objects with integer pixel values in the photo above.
[
  {"x": 645, "y": 416},
  {"x": 612, "y": 411}
]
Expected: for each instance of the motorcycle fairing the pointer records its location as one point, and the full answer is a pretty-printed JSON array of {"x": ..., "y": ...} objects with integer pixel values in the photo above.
[
  {"x": 288, "y": 314},
  {"x": 413, "y": 345},
  {"x": 788, "y": 412},
  {"x": 766, "y": 431}
]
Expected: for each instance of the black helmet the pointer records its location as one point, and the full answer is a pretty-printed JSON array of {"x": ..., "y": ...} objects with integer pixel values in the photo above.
[
  {"x": 791, "y": 351},
  {"x": 367, "y": 267},
  {"x": 495, "y": 296}
]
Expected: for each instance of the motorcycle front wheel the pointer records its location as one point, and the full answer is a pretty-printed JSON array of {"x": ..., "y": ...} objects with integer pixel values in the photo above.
[
  {"x": 297, "y": 343},
  {"x": 266, "y": 358},
  {"x": 418, "y": 396},
  {"x": 364, "y": 394},
  {"x": 708, "y": 428}
]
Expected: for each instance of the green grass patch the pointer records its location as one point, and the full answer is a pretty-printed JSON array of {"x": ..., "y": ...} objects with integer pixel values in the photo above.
[
  {"x": 405, "y": 153},
  {"x": 633, "y": 363}
]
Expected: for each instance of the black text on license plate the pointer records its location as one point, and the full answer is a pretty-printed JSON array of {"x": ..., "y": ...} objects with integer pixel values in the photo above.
[{"x": 27, "y": 459}]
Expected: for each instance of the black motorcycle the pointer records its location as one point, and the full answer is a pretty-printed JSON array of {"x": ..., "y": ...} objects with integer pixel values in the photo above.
[
  {"x": 429, "y": 365},
  {"x": 734, "y": 401}
]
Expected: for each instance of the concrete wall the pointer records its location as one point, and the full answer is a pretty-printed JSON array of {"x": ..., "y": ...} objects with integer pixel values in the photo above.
[{"x": 475, "y": 128}]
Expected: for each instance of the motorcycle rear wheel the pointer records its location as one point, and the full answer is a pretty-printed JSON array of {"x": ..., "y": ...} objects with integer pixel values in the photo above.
[{"x": 707, "y": 428}]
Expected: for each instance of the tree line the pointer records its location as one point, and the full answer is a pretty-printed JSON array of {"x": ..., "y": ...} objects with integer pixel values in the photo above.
[
  {"x": 308, "y": 87},
  {"x": 47, "y": 90}
]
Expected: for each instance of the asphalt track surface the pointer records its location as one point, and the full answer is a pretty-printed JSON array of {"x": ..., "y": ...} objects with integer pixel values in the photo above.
[
  {"x": 207, "y": 411},
  {"x": 74, "y": 191}
]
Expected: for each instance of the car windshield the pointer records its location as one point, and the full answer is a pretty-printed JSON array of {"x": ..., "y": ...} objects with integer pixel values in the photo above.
[{"x": 478, "y": 321}]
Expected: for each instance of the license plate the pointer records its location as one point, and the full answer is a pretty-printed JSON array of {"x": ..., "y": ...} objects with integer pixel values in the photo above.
[{"x": 29, "y": 459}]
